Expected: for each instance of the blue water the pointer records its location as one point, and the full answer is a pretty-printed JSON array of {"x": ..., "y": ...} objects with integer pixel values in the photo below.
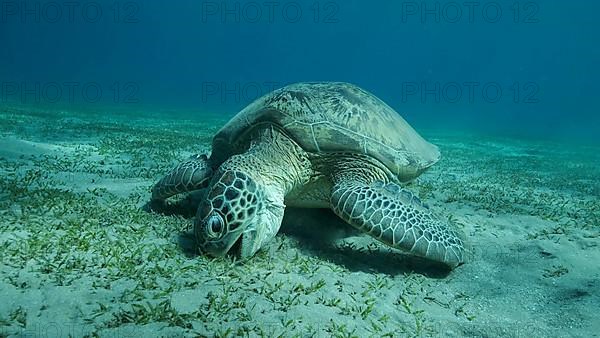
[{"x": 512, "y": 67}]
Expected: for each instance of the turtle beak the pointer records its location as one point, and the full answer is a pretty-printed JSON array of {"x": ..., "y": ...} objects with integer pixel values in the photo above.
[
  {"x": 242, "y": 244},
  {"x": 260, "y": 230},
  {"x": 245, "y": 246},
  {"x": 217, "y": 249}
]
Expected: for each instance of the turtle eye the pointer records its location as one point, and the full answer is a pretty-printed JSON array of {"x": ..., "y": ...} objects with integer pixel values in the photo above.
[{"x": 214, "y": 225}]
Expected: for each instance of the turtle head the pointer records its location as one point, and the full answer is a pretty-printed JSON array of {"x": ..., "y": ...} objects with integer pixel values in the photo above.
[{"x": 234, "y": 217}]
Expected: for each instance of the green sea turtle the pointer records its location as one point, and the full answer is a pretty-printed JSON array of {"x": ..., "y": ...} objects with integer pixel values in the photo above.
[{"x": 314, "y": 145}]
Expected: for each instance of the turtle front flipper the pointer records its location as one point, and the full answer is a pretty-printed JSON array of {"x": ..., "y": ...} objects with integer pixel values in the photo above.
[
  {"x": 397, "y": 218},
  {"x": 193, "y": 174}
]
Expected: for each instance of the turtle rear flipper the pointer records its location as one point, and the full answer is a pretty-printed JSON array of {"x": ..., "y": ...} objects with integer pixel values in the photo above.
[
  {"x": 193, "y": 174},
  {"x": 397, "y": 218}
]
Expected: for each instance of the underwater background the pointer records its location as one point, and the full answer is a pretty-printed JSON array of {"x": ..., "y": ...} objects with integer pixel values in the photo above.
[
  {"x": 100, "y": 99},
  {"x": 524, "y": 67}
]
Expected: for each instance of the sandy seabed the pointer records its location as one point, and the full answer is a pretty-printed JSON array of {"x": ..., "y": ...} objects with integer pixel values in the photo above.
[{"x": 79, "y": 256}]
